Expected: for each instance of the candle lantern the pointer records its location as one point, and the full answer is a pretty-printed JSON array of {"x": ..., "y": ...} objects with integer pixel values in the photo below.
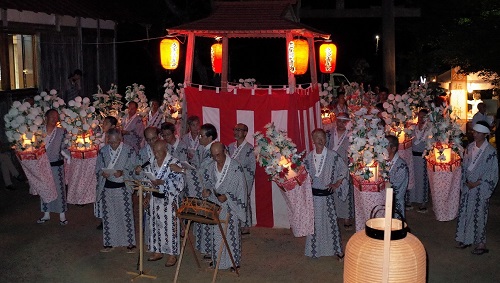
[
  {"x": 442, "y": 155},
  {"x": 327, "y": 57},
  {"x": 169, "y": 53},
  {"x": 373, "y": 168},
  {"x": 298, "y": 56},
  {"x": 216, "y": 57}
]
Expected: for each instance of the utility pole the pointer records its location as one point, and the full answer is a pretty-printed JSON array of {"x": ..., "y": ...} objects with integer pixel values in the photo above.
[{"x": 388, "y": 45}]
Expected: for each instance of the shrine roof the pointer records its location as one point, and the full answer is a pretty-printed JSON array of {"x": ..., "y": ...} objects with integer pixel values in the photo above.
[{"x": 249, "y": 19}]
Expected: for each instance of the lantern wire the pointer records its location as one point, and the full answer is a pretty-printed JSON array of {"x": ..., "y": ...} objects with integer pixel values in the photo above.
[{"x": 117, "y": 42}]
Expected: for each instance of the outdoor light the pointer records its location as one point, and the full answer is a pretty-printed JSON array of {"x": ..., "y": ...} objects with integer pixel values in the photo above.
[
  {"x": 169, "y": 53},
  {"x": 216, "y": 57},
  {"x": 327, "y": 57},
  {"x": 298, "y": 56}
]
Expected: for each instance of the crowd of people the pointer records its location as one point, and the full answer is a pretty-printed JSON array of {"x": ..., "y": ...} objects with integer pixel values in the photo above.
[{"x": 196, "y": 165}]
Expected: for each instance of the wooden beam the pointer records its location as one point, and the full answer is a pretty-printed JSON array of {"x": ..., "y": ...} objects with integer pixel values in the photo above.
[
  {"x": 389, "y": 46},
  {"x": 4, "y": 60},
  {"x": 225, "y": 63},
  {"x": 312, "y": 61},
  {"x": 188, "y": 72}
]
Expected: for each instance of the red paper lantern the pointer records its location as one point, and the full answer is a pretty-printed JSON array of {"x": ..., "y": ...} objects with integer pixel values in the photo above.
[
  {"x": 216, "y": 57},
  {"x": 298, "y": 56},
  {"x": 327, "y": 57},
  {"x": 169, "y": 53}
]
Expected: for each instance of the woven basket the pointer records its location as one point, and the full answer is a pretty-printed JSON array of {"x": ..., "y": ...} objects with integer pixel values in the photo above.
[{"x": 365, "y": 255}]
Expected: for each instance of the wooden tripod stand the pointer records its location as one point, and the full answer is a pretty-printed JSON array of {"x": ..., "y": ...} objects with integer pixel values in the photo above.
[
  {"x": 140, "y": 188},
  {"x": 223, "y": 232}
]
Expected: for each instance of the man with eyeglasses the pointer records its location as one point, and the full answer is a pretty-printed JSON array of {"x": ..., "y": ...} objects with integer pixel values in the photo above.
[
  {"x": 242, "y": 151},
  {"x": 196, "y": 181}
]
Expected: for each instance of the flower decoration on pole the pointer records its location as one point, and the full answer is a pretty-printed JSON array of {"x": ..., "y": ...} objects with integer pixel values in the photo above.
[
  {"x": 398, "y": 113},
  {"x": 48, "y": 101},
  {"x": 420, "y": 95},
  {"x": 247, "y": 83},
  {"x": 368, "y": 145},
  {"x": 80, "y": 122},
  {"x": 23, "y": 126},
  {"x": 136, "y": 93},
  {"x": 356, "y": 97},
  {"x": 109, "y": 103},
  {"x": 443, "y": 137},
  {"x": 277, "y": 154},
  {"x": 173, "y": 99}
]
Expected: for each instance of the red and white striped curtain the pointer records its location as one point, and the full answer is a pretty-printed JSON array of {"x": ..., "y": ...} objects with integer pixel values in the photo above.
[{"x": 297, "y": 113}]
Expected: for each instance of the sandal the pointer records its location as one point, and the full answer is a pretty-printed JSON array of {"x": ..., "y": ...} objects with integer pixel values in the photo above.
[
  {"x": 234, "y": 270},
  {"x": 348, "y": 227},
  {"x": 131, "y": 249},
  {"x": 462, "y": 246},
  {"x": 171, "y": 261},
  {"x": 63, "y": 222},
  {"x": 107, "y": 249},
  {"x": 42, "y": 220},
  {"x": 155, "y": 257},
  {"x": 478, "y": 251},
  {"x": 340, "y": 257}
]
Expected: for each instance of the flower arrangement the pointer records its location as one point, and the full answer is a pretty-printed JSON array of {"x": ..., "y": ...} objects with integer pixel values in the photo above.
[
  {"x": 247, "y": 83},
  {"x": 136, "y": 93},
  {"x": 443, "y": 132},
  {"x": 326, "y": 95},
  {"x": 368, "y": 143},
  {"x": 420, "y": 95},
  {"x": 277, "y": 153},
  {"x": 23, "y": 126},
  {"x": 399, "y": 112},
  {"x": 356, "y": 97},
  {"x": 80, "y": 121},
  {"x": 47, "y": 101},
  {"x": 109, "y": 103},
  {"x": 172, "y": 100}
]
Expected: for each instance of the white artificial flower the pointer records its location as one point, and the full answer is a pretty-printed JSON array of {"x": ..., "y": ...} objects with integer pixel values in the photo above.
[
  {"x": 38, "y": 121},
  {"x": 78, "y": 123},
  {"x": 86, "y": 127},
  {"x": 43, "y": 94},
  {"x": 23, "y": 129},
  {"x": 46, "y": 98},
  {"x": 37, "y": 98},
  {"x": 74, "y": 131},
  {"x": 78, "y": 99},
  {"x": 20, "y": 119},
  {"x": 55, "y": 105},
  {"x": 22, "y": 108},
  {"x": 71, "y": 103},
  {"x": 78, "y": 104},
  {"x": 83, "y": 113},
  {"x": 53, "y": 92},
  {"x": 86, "y": 100}
]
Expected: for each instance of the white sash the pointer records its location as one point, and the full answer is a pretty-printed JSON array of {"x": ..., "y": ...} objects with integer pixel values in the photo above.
[
  {"x": 128, "y": 121},
  {"x": 476, "y": 155},
  {"x": 238, "y": 149},
  {"x": 319, "y": 164},
  {"x": 50, "y": 138},
  {"x": 221, "y": 176},
  {"x": 152, "y": 119},
  {"x": 338, "y": 141},
  {"x": 393, "y": 161},
  {"x": 114, "y": 155}
]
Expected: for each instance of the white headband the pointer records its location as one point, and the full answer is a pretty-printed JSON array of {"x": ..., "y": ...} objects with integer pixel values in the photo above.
[{"x": 481, "y": 129}]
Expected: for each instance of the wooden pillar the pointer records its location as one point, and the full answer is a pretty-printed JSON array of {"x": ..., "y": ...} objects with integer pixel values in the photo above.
[
  {"x": 188, "y": 71},
  {"x": 225, "y": 63},
  {"x": 291, "y": 76},
  {"x": 388, "y": 45},
  {"x": 4, "y": 59},
  {"x": 312, "y": 61}
]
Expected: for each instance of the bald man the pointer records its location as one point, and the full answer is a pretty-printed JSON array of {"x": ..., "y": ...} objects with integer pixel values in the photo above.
[
  {"x": 115, "y": 163},
  {"x": 226, "y": 186},
  {"x": 146, "y": 155},
  {"x": 163, "y": 223}
]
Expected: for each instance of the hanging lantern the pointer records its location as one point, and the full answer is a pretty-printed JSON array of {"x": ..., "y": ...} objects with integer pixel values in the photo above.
[
  {"x": 327, "y": 57},
  {"x": 216, "y": 57},
  {"x": 169, "y": 53},
  {"x": 298, "y": 56}
]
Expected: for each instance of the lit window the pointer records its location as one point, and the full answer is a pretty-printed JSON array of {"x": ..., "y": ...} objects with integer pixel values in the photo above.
[{"x": 22, "y": 61}]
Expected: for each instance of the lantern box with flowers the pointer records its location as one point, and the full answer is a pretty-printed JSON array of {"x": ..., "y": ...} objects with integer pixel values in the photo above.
[
  {"x": 137, "y": 94},
  {"x": 443, "y": 147},
  {"x": 24, "y": 128},
  {"x": 172, "y": 101},
  {"x": 278, "y": 155},
  {"x": 109, "y": 103},
  {"x": 368, "y": 149},
  {"x": 398, "y": 112},
  {"x": 357, "y": 98},
  {"x": 80, "y": 121}
]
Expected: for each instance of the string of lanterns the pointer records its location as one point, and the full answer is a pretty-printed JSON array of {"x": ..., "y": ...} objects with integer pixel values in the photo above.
[{"x": 298, "y": 56}]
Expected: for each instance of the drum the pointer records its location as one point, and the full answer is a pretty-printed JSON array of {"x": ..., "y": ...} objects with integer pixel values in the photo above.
[{"x": 199, "y": 210}]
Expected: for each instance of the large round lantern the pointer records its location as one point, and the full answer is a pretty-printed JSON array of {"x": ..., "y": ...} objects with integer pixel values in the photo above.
[
  {"x": 327, "y": 57},
  {"x": 169, "y": 53},
  {"x": 298, "y": 56},
  {"x": 216, "y": 57}
]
